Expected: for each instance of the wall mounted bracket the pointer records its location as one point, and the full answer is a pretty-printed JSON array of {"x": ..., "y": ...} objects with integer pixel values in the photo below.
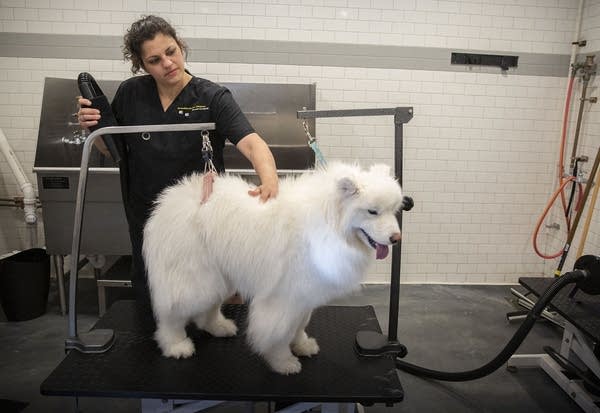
[{"x": 504, "y": 62}]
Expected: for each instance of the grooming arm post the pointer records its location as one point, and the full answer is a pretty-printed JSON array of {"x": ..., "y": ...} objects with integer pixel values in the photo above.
[
  {"x": 371, "y": 343},
  {"x": 400, "y": 118},
  {"x": 99, "y": 340}
]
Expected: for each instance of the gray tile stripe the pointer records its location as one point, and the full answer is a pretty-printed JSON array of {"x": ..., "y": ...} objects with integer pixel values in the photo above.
[
  {"x": 60, "y": 46},
  {"x": 278, "y": 52}
]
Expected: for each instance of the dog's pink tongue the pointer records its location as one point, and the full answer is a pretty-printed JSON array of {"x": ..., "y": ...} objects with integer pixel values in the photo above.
[{"x": 382, "y": 251}]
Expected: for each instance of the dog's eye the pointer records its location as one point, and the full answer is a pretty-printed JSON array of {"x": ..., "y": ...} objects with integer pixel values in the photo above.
[{"x": 373, "y": 212}]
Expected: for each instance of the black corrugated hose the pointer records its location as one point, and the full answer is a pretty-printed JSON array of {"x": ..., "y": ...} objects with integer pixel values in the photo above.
[{"x": 514, "y": 343}]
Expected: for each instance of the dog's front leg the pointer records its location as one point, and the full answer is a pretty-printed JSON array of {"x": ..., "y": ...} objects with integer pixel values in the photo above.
[{"x": 302, "y": 344}]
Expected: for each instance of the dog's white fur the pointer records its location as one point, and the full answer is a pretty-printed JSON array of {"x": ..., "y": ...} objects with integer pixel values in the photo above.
[{"x": 287, "y": 256}]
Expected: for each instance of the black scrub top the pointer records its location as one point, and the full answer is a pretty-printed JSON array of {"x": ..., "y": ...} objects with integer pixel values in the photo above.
[{"x": 153, "y": 161}]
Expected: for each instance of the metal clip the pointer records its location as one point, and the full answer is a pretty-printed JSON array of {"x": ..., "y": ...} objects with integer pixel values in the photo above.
[
  {"x": 207, "y": 153},
  {"x": 311, "y": 139}
]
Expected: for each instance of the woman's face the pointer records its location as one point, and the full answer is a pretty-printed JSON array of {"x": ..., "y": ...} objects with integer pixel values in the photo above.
[{"x": 163, "y": 59}]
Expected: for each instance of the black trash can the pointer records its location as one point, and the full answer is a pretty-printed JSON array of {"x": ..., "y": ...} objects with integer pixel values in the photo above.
[{"x": 24, "y": 284}]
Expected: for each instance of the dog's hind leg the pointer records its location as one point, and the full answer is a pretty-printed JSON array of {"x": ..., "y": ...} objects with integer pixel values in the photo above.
[
  {"x": 302, "y": 344},
  {"x": 172, "y": 338},
  {"x": 215, "y": 323},
  {"x": 281, "y": 359}
]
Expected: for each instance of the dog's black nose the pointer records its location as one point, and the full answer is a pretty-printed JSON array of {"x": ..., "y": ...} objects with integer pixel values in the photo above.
[{"x": 407, "y": 203}]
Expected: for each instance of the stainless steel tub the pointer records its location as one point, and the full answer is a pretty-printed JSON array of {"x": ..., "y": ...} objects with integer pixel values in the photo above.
[{"x": 271, "y": 108}]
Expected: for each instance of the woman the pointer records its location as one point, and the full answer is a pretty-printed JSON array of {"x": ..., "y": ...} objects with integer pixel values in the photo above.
[{"x": 170, "y": 94}]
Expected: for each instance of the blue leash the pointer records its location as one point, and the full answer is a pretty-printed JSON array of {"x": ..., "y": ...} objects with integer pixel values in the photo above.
[
  {"x": 320, "y": 159},
  {"x": 312, "y": 142}
]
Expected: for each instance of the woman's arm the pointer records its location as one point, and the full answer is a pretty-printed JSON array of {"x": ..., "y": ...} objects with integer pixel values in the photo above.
[{"x": 256, "y": 150}]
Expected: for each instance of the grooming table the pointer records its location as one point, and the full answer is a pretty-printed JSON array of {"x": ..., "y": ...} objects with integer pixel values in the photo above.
[
  {"x": 581, "y": 332},
  {"x": 224, "y": 369}
]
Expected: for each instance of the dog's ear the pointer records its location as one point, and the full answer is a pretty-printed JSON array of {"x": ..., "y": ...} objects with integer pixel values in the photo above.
[
  {"x": 347, "y": 187},
  {"x": 381, "y": 169}
]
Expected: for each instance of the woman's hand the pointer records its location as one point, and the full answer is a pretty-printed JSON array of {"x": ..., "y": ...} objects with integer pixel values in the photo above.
[
  {"x": 265, "y": 191},
  {"x": 86, "y": 116},
  {"x": 256, "y": 151}
]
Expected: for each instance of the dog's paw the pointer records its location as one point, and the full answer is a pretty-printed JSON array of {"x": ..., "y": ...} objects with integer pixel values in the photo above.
[
  {"x": 307, "y": 347},
  {"x": 183, "y": 349},
  {"x": 222, "y": 327},
  {"x": 288, "y": 365}
]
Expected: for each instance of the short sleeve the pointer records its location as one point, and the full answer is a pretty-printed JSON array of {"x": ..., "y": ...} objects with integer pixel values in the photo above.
[{"x": 230, "y": 122}]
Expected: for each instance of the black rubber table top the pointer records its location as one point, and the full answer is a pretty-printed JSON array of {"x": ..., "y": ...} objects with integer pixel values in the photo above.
[
  {"x": 583, "y": 310},
  {"x": 225, "y": 368}
]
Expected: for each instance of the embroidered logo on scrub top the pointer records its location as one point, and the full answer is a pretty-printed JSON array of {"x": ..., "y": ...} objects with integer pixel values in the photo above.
[{"x": 186, "y": 110}]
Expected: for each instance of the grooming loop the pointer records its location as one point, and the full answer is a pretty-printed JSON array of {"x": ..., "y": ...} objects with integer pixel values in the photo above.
[{"x": 209, "y": 167}]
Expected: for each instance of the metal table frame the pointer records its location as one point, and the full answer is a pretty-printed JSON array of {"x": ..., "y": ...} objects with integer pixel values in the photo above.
[
  {"x": 188, "y": 406},
  {"x": 577, "y": 347},
  {"x": 574, "y": 346}
]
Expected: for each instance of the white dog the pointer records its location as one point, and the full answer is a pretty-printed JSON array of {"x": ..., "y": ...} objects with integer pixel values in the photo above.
[{"x": 309, "y": 245}]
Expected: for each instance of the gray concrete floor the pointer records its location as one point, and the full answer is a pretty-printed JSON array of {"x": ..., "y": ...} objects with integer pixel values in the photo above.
[{"x": 450, "y": 328}]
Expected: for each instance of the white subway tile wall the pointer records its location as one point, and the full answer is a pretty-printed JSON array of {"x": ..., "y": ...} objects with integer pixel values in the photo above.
[
  {"x": 511, "y": 25},
  {"x": 479, "y": 154}
]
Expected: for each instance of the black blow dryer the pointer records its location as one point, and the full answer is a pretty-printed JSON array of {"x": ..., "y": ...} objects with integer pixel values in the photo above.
[{"x": 90, "y": 90}]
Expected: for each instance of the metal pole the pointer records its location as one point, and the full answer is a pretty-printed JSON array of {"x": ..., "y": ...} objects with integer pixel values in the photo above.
[
  {"x": 76, "y": 245},
  {"x": 60, "y": 281},
  {"x": 342, "y": 113},
  {"x": 397, "y": 249},
  {"x": 578, "y": 126},
  {"x": 369, "y": 343},
  {"x": 93, "y": 342}
]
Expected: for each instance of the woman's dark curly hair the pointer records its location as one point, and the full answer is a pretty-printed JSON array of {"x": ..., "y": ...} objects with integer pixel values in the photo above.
[{"x": 144, "y": 29}]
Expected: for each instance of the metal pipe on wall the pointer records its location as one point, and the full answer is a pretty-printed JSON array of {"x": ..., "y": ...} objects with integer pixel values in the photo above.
[
  {"x": 29, "y": 200},
  {"x": 570, "y": 75}
]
